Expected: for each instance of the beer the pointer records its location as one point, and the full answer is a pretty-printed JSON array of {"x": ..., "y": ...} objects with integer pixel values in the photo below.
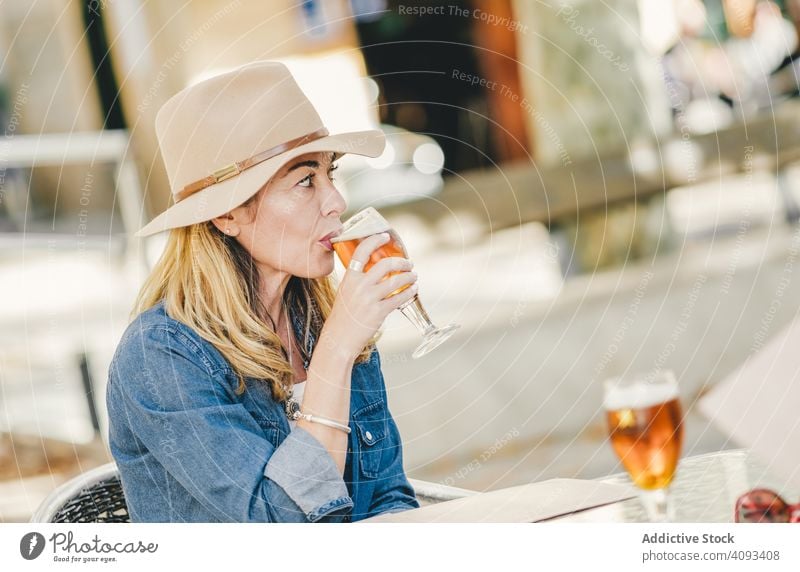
[
  {"x": 646, "y": 431},
  {"x": 356, "y": 230},
  {"x": 369, "y": 222}
]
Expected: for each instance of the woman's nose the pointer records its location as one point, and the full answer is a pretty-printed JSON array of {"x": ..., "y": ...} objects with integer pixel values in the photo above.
[{"x": 333, "y": 202}]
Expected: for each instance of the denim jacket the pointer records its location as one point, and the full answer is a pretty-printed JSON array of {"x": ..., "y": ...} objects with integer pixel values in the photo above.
[{"x": 189, "y": 449}]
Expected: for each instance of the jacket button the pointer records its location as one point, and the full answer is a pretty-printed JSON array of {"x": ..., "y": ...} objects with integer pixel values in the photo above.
[{"x": 368, "y": 435}]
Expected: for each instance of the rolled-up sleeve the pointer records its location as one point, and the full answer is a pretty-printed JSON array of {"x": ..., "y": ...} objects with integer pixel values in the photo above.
[
  {"x": 184, "y": 412},
  {"x": 305, "y": 471}
]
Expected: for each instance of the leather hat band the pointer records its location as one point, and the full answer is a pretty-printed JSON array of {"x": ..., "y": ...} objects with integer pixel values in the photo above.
[{"x": 234, "y": 169}]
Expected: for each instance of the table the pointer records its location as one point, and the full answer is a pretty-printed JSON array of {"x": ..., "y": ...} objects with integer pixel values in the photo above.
[{"x": 705, "y": 489}]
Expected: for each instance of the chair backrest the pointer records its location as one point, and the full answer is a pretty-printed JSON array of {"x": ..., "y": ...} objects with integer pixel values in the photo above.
[
  {"x": 94, "y": 496},
  {"x": 97, "y": 496}
]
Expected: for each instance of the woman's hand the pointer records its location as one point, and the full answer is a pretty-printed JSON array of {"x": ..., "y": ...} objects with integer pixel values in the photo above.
[{"x": 361, "y": 303}]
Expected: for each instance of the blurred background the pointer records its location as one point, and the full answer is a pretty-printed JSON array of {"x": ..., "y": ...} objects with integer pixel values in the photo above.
[{"x": 589, "y": 188}]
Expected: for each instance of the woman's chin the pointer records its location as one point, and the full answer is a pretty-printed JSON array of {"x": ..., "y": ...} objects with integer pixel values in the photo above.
[
  {"x": 320, "y": 268},
  {"x": 327, "y": 267}
]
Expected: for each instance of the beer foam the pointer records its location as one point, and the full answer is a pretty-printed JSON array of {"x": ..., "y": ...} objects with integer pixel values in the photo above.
[
  {"x": 638, "y": 395},
  {"x": 370, "y": 223}
]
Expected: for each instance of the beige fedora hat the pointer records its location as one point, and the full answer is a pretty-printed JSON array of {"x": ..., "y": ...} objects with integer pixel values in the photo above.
[{"x": 222, "y": 139}]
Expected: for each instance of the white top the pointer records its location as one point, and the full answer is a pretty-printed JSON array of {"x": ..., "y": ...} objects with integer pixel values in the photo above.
[{"x": 297, "y": 394}]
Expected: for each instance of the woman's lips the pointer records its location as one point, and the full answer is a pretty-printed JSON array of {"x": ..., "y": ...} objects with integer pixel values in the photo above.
[{"x": 325, "y": 241}]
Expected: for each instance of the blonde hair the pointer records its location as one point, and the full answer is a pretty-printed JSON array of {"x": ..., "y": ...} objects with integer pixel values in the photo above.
[{"x": 209, "y": 282}]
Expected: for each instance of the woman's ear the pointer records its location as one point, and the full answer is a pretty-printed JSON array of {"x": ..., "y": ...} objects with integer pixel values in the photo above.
[
  {"x": 226, "y": 224},
  {"x": 232, "y": 221}
]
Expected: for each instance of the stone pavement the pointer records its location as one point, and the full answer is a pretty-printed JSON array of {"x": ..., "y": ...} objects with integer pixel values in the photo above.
[{"x": 533, "y": 367}]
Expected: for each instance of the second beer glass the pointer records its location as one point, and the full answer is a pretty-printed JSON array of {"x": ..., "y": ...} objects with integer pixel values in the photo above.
[
  {"x": 367, "y": 223},
  {"x": 646, "y": 431}
]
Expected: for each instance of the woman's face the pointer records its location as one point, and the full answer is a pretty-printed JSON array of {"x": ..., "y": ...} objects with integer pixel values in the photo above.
[{"x": 284, "y": 229}]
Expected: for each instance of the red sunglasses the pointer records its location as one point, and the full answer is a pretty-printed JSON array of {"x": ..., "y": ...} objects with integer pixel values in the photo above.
[{"x": 764, "y": 505}]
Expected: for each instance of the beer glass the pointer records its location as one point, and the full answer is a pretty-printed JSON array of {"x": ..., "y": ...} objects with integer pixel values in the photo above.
[
  {"x": 366, "y": 223},
  {"x": 646, "y": 431}
]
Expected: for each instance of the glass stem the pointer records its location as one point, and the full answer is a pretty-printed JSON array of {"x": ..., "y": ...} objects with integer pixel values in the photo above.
[
  {"x": 656, "y": 503},
  {"x": 417, "y": 315}
]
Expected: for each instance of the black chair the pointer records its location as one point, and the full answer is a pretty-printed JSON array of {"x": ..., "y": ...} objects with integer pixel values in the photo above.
[{"x": 94, "y": 496}]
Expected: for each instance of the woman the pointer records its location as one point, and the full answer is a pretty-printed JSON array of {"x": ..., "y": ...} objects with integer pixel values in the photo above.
[{"x": 238, "y": 327}]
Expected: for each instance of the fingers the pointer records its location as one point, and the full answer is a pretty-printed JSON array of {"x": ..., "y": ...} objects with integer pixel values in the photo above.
[
  {"x": 392, "y": 283},
  {"x": 386, "y": 265},
  {"x": 394, "y": 302},
  {"x": 368, "y": 246}
]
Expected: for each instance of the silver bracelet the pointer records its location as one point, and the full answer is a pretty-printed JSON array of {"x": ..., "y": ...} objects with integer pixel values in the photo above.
[{"x": 323, "y": 421}]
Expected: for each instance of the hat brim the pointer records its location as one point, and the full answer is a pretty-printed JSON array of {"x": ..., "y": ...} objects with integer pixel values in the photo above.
[{"x": 226, "y": 195}]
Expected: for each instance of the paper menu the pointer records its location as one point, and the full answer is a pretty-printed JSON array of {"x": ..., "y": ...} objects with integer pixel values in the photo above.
[
  {"x": 758, "y": 405},
  {"x": 526, "y": 503}
]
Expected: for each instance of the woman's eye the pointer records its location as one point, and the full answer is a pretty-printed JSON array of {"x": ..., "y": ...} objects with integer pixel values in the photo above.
[{"x": 308, "y": 180}]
